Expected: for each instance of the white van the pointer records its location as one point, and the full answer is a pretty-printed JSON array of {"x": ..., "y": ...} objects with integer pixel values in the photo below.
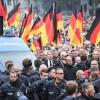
[{"x": 14, "y": 48}]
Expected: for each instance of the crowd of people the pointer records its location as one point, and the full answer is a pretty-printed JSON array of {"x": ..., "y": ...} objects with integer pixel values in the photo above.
[{"x": 58, "y": 73}]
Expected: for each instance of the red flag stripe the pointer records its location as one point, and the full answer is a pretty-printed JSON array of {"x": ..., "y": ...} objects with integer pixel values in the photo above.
[
  {"x": 59, "y": 16},
  {"x": 12, "y": 19},
  {"x": 48, "y": 20},
  {"x": 3, "y": 11},
  {"x": 38, "y": 25},
  {"x": 94, "y": 34},
  {"x": 73, "y": 21}
]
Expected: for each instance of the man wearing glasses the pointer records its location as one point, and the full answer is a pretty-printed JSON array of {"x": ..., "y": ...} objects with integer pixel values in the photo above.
[{"x": 55, "y": 89}]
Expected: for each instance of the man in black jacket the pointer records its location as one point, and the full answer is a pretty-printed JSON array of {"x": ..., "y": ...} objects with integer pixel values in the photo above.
[
  {"x": 69, "y": 69},
  {"x": 55, "y": 89},
  {"x": 12, "y": 89},
  {"x": 28, "y": 70},
  {"x": 35, "y": 90}
]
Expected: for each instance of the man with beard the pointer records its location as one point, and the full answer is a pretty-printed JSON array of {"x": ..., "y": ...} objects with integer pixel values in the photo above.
[{"x": 69, "y": 69}]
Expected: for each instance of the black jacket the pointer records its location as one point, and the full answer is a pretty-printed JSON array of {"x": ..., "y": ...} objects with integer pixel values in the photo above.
[
  {"x": 11, "y": 91},
  {"x": 96, "y": 84},
  {"x": 84, "y": 97},
  {"x": 23, "y": 79},
  {"x": 69, "y": 72},
  {"x": 34, "y": 78},
  {"x": 54, "y": 91},
  {"x": 35, "y": 91},
  {"x": 70, "y": 98},
  {"x": 54, "y": 62}
]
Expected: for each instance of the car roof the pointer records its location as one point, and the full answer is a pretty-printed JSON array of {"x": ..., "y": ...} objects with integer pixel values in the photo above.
[{"x": 9, "y": 44}]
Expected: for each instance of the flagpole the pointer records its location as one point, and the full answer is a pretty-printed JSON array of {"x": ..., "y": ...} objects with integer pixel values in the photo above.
[
  {"x": 54, "y": 8},
  {"x": 74, "y": 32},
  {"x": 75, "y": 11},
  {"x": 41, "y": 19},
  {"x": 64, "y": 35}
]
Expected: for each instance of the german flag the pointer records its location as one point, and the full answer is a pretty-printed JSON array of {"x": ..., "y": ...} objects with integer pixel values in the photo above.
[
  {"x": 60, "y": 24},
  {"x": 78, "y": 36},
  {"x": 55, "y": 23},
  {"x": 24, "y": 21},
  {"x": 32, "y": 47},
  {"x": 45, "y": 27},
  {"x": 14, "y": 16},
  {"x": 72, "y": 24},
  {"x": 59, "y": 38},
  {"x": 38, "y": 28},
  {"x": 27, "y": 10},
  {"x": 23, "y": 25},
  {"x": 48, "y": 21},
  {"x": 27, "y": 26},
  {"x": 3, "y": 10},
  {"x": 94, "y": 32},
  {"x": 5, "y": 18},
  {"x": 36, "y": 44}
]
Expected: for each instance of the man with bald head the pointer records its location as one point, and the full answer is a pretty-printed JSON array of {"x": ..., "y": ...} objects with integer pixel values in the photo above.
[
  {"x": 69, "y": 69},
  {"x": 96, "y": 56},
  {"x": 42, "y": 67},
  {"x": 93, "y": 68}
]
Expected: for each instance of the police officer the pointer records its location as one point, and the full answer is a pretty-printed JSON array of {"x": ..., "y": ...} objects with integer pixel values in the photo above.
[
  {"x": 36, "y": 77},
  {"x": 15, "y": 69},
  {"x": 12, "y": 89},
  {"x": 35, "y": 91},
  {"x": 23, "y": 79},
  {"x": 4, "y": 76},
  {"x": 28, "y": 70},
  {"x": 55, "y": 89},
  {"x": 51, "y": 73}
]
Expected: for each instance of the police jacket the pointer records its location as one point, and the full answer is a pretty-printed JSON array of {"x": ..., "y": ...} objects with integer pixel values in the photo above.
[
  {"x": 54, "y": 91},
  {"x": 34, "y": 78},
  {"x": 12, "y": 90},
  {"x": 23, "y": 79},
  {"x": 28, "y": 72},
  {"x": 70, "y": 98},
  {"x": 36, "y": 90}
]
